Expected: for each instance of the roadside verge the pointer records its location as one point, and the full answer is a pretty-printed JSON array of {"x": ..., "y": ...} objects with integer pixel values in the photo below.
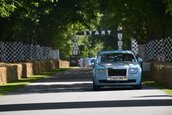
[{"x": 12, "y": 86}]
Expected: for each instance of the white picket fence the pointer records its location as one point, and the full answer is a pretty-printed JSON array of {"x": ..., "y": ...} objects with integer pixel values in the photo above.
[{"x": 18, "y": 51}]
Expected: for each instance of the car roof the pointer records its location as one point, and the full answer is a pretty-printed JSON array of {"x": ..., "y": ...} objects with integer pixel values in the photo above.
[{"x": 115, "y": 51}]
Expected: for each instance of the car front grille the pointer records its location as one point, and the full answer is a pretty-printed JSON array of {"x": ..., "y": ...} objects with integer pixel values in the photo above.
[
  {"x": 128, "y": 81},
  {"x": 117, "y": 72}
]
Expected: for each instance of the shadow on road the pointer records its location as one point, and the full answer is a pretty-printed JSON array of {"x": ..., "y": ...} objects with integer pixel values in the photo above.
[{"x": 87, "y": 104}]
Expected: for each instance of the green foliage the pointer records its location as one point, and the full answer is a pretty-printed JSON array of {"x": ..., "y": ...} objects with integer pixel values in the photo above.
[
  {"x": 46, "y": 22},
  {"x": 143, "y": 19},
  {"x": 168, "y": 5},
  {"x": 6, "y": 7},
  {"x": 89, "y": 46}
]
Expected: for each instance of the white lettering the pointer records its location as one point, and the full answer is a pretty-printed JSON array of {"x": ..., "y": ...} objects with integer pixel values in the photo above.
[
  {"x": 119, "y": 43},
  {"x": 119, "y": 48},
  {"x": 85, "y": 33},
  {"x": 96, "y": 33},
  {"x": 103, "y": 32},
  {"x": 109, "y": 32},
  {"x": 75, "y": 44},
  {"x": 119, "y": 28},
  {"x": 120, "y": 39},
  {"x": 90, "y": 32},
  {"x": 120, "y": 36}
]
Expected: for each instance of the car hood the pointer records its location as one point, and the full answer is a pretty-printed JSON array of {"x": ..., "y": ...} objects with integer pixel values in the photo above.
[{"x": 118, "y": 64}]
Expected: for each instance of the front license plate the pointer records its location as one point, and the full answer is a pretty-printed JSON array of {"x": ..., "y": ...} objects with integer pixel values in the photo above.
[{"x": 117, "y": 78}]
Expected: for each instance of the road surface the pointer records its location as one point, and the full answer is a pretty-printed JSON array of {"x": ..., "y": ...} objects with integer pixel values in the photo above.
[{"x": 70, "y": 93}]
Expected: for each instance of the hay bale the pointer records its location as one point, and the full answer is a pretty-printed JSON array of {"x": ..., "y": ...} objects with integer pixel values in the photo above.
[
  {"x": 53, "y": 64},
  {"x": 63, "y": 64},
  {"x": 12, "y": 73},
  {"x": 66, "y": 64},
  {"x": 40, "y": 66},
  {"x": 56, "y": 62},
  {"x": 162, "y": 73},
  {"x": 35, "y": 67},
  {"x": 50, "y": 65},
  {"x": 27, "y": 69},
  {"x": 19, "y": 70},
  {"x": 3, "y": 75}
]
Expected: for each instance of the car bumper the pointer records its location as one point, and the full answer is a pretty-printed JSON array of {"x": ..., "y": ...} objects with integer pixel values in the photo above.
[{"x": 99, "y": 81}]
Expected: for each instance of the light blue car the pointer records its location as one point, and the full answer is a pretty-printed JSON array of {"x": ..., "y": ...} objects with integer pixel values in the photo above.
[{"x": 116, "y": 68}]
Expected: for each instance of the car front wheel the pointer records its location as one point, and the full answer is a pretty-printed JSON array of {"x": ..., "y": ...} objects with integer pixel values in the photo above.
[
  {"x": 95, "y": 87},
  {"x": 138, "y": 86}
]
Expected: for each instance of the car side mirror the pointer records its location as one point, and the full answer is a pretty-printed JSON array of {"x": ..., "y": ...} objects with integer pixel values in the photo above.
[
  {"x": 94, "y": 63},
  {"x": 140, "y": 60}
]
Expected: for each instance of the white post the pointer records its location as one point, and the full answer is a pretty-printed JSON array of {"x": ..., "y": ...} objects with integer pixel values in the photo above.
[
  {"x": 119, "y": 35},
  {"x": 75, "y": 46}
]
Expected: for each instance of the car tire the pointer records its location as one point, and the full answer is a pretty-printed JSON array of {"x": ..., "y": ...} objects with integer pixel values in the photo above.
[
  {"x": 95, "y": 87},
  {"x": 138, "y": 86}
]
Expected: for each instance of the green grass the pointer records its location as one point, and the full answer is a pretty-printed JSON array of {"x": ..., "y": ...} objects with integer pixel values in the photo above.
[
  {"x": 12, "y": 86},
  {"x": 147, "y": 80}
]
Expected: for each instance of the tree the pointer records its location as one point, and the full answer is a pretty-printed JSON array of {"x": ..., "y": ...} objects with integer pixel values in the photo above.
[
  {"x": 168, "y": 5},
  {"x": 54, "y": 22},
  {"x": 144, "y": 19},
  {"x": 46, "y": 22},
  {"x": 6, "y": 7}
]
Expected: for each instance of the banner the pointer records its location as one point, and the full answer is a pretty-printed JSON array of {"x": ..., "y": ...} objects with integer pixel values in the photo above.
[{"x": 95, "y": 33}]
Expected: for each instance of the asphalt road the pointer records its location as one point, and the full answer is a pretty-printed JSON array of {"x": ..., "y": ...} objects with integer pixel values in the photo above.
[{"x": 70, "y": 93}]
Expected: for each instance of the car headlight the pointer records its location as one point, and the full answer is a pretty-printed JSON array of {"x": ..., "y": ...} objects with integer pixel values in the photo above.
[
  {"x": 101, "y": 70},
  {"x": 133, "y": 70}
]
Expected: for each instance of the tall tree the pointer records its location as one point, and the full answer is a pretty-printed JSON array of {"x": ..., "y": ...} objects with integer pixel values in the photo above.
[{"x": 143, "y": 19}]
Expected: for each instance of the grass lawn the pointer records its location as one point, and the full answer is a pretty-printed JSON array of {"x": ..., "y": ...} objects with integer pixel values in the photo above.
[
  {"x": 147, "y": 80},
  {"x": 24, "y": 81}
]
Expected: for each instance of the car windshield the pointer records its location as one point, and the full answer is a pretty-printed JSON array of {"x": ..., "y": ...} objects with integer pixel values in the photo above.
[{"x": 117, "y": 57}]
